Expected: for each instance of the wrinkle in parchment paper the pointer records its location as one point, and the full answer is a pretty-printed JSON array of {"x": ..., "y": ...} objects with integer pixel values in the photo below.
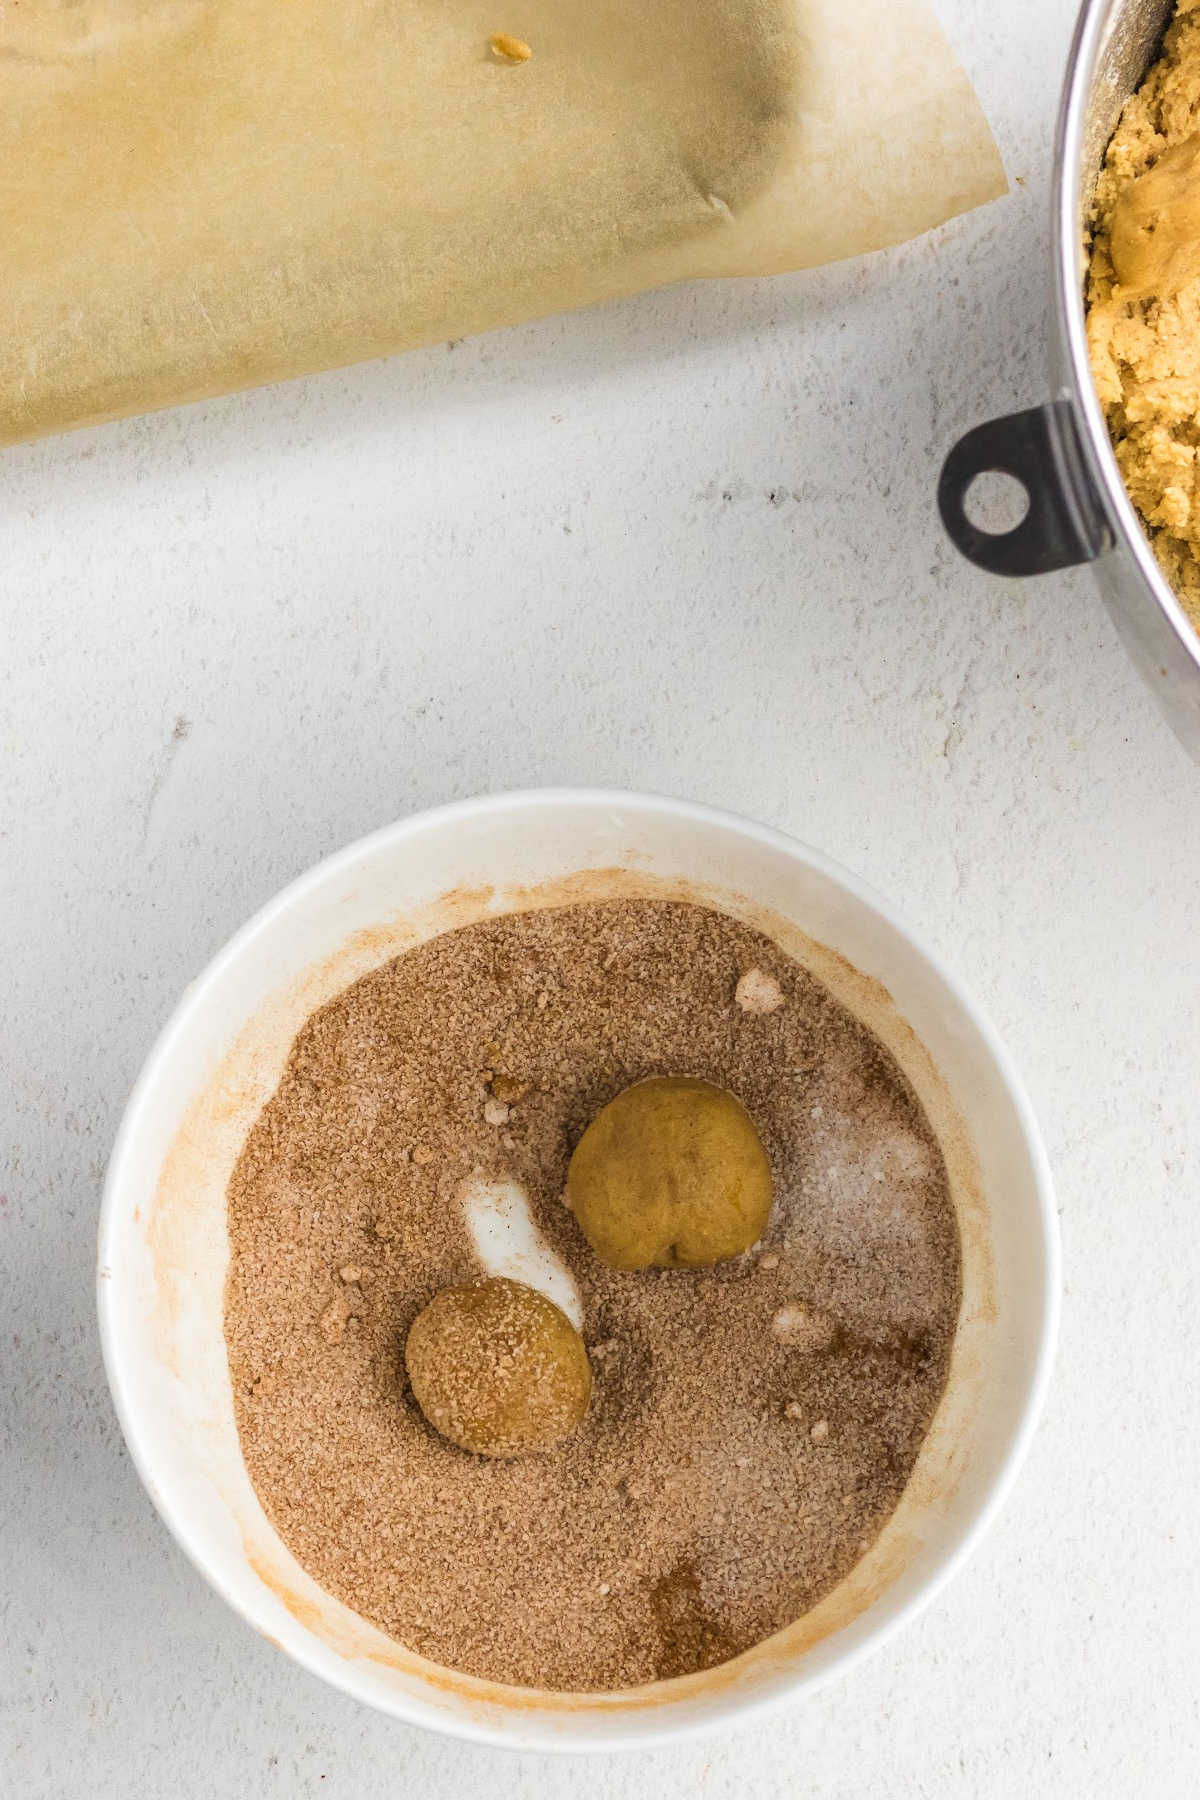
[{"x": 200, "y": 195}]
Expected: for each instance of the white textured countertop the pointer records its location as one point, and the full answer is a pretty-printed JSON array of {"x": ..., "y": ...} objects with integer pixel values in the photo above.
[{"x": 685, "y": 543}]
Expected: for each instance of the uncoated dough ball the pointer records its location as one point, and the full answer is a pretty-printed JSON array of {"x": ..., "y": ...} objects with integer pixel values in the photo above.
[
  {"x": 671, "y": 1174},
  {"x": 498, "y": 1369}
]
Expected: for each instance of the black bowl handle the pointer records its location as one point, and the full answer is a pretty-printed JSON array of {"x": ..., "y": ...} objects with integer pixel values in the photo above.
[{"x": 1065, "y": 523}]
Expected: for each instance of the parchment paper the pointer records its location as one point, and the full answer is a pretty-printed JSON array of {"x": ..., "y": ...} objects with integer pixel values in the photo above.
[{"x": 199, "y": 195}]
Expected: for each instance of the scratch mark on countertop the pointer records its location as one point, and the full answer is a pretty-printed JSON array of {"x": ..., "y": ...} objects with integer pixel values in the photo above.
[
  {"x": 955, "y": 726},
  {"x": 179, "y": 732}
]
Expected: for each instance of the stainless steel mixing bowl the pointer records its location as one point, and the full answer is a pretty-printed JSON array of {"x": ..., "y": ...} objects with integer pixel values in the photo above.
[{"x": 1060, "y": 452}]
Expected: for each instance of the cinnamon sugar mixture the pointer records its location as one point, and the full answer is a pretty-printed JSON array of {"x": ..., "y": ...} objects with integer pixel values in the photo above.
[{"x": 751, "y": 1426}]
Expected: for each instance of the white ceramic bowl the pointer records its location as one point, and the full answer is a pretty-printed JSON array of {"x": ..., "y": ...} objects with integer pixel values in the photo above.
[{"x": 164, "y": 1246}]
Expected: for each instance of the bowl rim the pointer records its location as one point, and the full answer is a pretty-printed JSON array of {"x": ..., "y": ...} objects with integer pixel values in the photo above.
[{"x": 730, "y": 1709}]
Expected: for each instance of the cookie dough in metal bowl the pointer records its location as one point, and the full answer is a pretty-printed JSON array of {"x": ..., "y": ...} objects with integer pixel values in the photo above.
[{"x": 1079, "y": 510}]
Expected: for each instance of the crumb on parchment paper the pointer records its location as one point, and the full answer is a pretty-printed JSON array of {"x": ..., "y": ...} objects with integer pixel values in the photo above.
[{"x": 507, "y": 48}]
